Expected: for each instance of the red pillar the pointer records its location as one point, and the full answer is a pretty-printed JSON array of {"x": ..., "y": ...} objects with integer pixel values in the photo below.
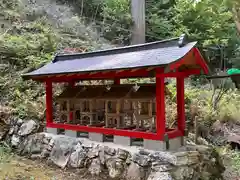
[
  {"x": 180, "y": 104},
  {"x": 49, "y": 111},
  {"x": 160, "y": 104},
  {"x": 117, "y": 81}
]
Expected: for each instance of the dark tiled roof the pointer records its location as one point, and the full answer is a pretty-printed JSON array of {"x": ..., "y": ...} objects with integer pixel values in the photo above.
[{"x": 146, "y": 55}]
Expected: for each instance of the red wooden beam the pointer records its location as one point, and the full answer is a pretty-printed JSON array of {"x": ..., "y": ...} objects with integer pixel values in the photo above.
[
  {"x": 180, "y": 74},
  {"x": 180, "y": 104},
  {"x": 99, "y": 75},
  {"x": 160, "y": 103},
  {"x": 109, "y": 131},
  {"x": 180, "y": 62},
  {"x": 49, "y": 110},
  {"x": 174, "y": 134},
  {"x": 117, "y": 81},
  {"x": 201, "y": 61}
]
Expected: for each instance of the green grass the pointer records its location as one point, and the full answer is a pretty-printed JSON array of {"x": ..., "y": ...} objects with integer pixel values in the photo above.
[
  {"x": 5, "y": 153},
  {"x": 232, "y": 158},
  {"x": 236, "y": 160}
]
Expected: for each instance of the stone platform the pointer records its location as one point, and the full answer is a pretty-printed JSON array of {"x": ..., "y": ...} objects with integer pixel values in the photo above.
[
  {"x": 115, "y": 161},
  {"x": 122, "y": 162},
  {"x": 171, "y": 144}
]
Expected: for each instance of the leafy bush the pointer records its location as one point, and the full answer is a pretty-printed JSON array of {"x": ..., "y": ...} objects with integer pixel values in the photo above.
[
  {"x": 201, "y": 105},
  {"x": 116, "y": 21}
]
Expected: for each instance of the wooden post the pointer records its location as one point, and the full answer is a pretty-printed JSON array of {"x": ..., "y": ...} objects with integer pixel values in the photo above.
[
  {"x": 71, "y": 83},
  {"x": 91, "y": 111},
  {"x": 118, "y": 113},
  {"x": 160, "y": 104},
  {"x": 138, "y": 16},
  {"x": 106, "y": 114},
  {"x": 137, "y": 114},
  {"x": 49, "y": 110},
  {"x": 132, "y": 111},
  {"x": 117, "y": 81},
  {"x": 81, "y": 110},
  {"x": 196, "y": 129},
  {"x": 180, "y": 104},
  {"x": 150, "y": 114},
  {"x": 68, "y": 111}
]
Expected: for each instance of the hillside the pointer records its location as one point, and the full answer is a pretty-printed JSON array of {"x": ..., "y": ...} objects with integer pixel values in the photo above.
[{"x": 31, "y": 34}]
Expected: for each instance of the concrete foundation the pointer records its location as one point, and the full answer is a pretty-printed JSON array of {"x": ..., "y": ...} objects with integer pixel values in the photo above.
[
  {"x": 96, "y": 137},
  {"x": 122, "y": 140},
  {"x": 52, "y": 130},
  {"x": 154, "y": 145},
  {"x": 172, "y": 145},
  {"x": 175, "y": 143},
  {"x": 71, "y": 133}
]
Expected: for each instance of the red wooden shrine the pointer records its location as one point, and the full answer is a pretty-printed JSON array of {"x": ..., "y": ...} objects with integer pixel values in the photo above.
[{"x": 171, "y": 61}]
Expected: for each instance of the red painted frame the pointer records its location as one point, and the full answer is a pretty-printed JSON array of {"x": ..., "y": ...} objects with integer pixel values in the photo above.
[
  {"x": 180, "y": 104},
  {"x": 110, "y": 131},
  {"x": 96, "y": 76},
  {"x": 160, "y": 98},
  {"x": 49, "y": 110},
  {"x": 160, "y": 103}
]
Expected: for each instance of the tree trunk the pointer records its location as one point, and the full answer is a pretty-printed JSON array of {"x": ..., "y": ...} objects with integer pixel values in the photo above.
[
  {"x": 238, "y": 25},
  {"x": 236, "y": 15}
]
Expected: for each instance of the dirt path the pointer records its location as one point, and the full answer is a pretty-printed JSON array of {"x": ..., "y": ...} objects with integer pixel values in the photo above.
[{"x": 18, "y": 168}]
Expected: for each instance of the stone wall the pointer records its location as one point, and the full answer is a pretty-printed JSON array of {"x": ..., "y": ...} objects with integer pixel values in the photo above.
[{"x": 114, "y": 161}]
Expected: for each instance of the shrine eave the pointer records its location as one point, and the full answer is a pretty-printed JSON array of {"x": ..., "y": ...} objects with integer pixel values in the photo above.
[{"x": 131, "y": 61}]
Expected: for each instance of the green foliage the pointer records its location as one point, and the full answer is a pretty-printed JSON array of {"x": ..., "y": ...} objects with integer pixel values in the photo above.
[
  {"x": 116, "y": 18},
  {"x": 236, "y": 160},
  {"x": 159, "y": 21},
  {"x": 232, "y": 159},
  {"x": 207, "y": 21},
  {"x": 225, "y": 111}
]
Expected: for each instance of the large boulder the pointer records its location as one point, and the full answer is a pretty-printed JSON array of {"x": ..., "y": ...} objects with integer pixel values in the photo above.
[
  {"x": 28, "y": 127},
  {"x": 115, "y": 167},
  {"x": 95, "y": 167},
  {"x": 15, "y": 140},
  {"x": 78, "y": 157},
  {"x": 160, "y": 176},
  {"x": 32, "y": 144},
  {"x": 62, "y": 150},
  {"x": 135, "y": 172}
]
